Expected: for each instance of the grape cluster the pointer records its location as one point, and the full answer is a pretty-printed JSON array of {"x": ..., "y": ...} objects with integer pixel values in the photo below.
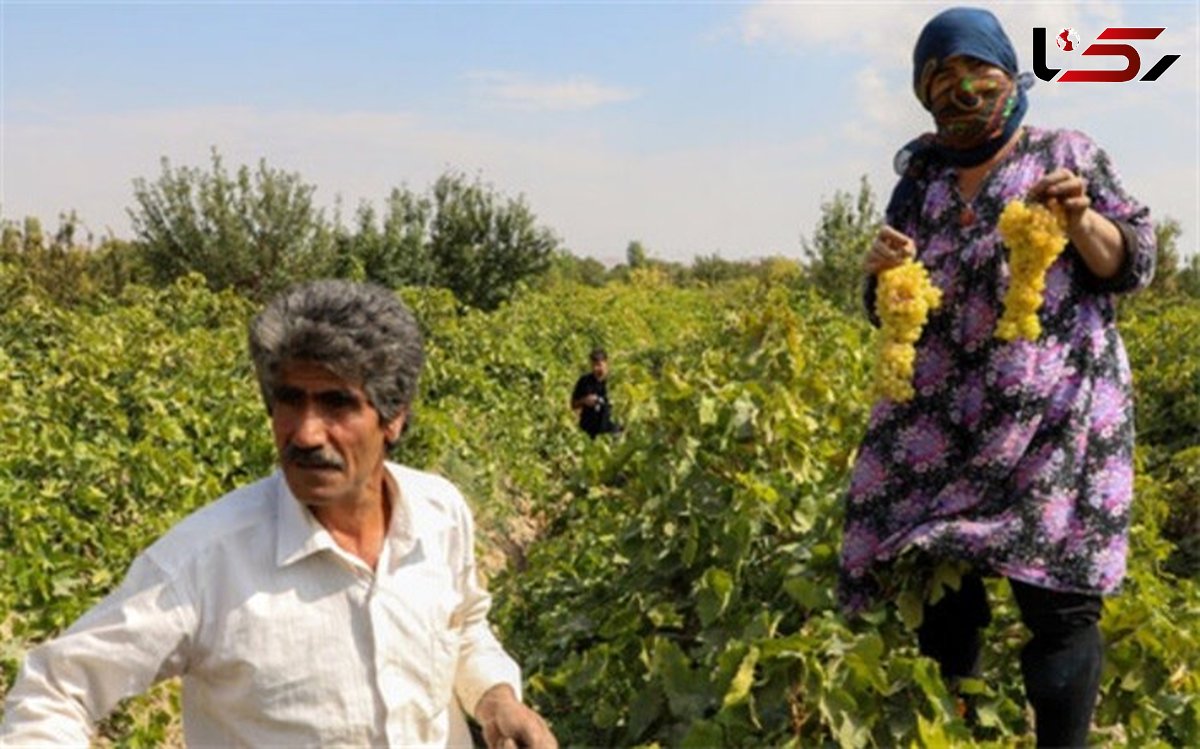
[
  {"x": 903, "y": 300},
  {"x": 1034, "y": 235}
]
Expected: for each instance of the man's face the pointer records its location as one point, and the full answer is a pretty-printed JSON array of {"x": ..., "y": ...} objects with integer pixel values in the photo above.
[
  {"x": 331, "y": 440},
  {"x": 600, "y": 368}
]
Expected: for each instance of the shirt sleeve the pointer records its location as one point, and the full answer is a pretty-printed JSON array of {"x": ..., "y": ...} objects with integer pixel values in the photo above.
[
  {"x": 131, "y": 639},
  {"x": 580, "y": 389},
  {"x": 483, "y": 662},
  {"x": 1132, "y": 219}
]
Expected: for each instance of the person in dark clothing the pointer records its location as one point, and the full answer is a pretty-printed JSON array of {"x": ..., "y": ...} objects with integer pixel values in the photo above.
[{"x": 590, "y": 398}]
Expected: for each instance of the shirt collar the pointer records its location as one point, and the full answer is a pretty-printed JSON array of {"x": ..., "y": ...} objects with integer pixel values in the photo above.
[
  {"x": 300, "y": 535},
  {"x": 419, "y": 517}
]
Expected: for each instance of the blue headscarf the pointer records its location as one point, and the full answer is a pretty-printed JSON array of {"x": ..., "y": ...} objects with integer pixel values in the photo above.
[
  {"x": 962, "y": 31},
  {"x": 972, "y": 32}
]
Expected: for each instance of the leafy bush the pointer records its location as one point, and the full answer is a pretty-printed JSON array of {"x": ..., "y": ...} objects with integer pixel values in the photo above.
[
  {"x": 252, "y": 231},
  {"x": 672, "y": 587}
]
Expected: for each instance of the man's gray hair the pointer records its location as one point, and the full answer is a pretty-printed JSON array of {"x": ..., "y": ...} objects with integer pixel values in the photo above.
[{"x": 359, "y": 332}]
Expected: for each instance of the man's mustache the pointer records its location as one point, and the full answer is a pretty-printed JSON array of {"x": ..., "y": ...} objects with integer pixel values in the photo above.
[{"x": 311, "y": 457}]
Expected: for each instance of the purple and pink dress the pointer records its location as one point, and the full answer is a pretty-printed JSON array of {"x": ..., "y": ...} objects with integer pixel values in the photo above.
[{"x": 1015, "y": 457}]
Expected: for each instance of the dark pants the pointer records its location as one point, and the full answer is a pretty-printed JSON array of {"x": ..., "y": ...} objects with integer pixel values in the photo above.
[{"x": 1061, "y": 664}]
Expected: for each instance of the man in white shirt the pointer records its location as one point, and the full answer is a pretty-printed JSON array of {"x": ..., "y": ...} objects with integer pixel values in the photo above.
[{"x": 334, "y": 603}]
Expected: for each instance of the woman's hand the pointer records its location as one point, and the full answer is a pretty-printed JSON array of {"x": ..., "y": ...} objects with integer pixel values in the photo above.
[
  {"x": 1067, "y": 189},
  {"x": 1098, "y": 240},
  {"x": 890, "y": 248}
]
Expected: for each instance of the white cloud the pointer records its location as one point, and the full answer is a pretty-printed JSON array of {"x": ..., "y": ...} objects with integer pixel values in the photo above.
[
  {"x": 866, "y": 29},
  {"x": 517, "y": 91}
]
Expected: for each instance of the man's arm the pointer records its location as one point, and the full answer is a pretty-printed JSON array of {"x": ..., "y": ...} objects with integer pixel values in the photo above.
[
  {"x": 482, "y": 663},
  {"x": 580, "y": 396},
  {"x": 128, "y": 641},
  {"x": 488, "y": 680}
]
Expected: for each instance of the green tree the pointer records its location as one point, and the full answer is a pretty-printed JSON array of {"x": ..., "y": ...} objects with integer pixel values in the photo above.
[
  {"x": 1167, "y": 269},
  {"x": 35, "y": 238},
  {"x": 482, "y": 245},
  {"x": 56, "y": 263},
  {"x": 834, "y": 254},
  {"x": 461, "y": 235},
  {"x": 394, "y": 251},
  {"x": 1189, "y": 278},
  {"x": 636, "y": 255},
  {"x": 714, "y": 269},
  {"x": 117, "y": 263},
  {"x": 583, "y": 270},
  {"x": 254, "y": 231}
]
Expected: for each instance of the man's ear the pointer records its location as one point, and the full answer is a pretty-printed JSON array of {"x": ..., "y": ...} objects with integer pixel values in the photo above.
[{"x": 394, "y": 428}]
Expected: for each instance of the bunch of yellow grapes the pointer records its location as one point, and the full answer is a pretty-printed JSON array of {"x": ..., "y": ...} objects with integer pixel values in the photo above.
[
  {"x": 1035, "y": 235},
  {"x": 903, "y": 300}
]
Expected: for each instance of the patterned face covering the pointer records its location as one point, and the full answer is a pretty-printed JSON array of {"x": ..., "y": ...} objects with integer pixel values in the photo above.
[
  {"x": 970, "y": 102},
  {"x": 965, "y": 73}
]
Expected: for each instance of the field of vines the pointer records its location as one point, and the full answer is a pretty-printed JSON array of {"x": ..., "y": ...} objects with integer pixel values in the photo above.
[{"x": 672, "y": 587}]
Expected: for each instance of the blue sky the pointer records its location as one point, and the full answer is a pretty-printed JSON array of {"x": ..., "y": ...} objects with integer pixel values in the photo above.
[{"x": 696, "y": 128}]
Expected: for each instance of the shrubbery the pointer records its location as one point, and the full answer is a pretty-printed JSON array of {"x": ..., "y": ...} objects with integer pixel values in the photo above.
[{"x": 671, "y": 587}]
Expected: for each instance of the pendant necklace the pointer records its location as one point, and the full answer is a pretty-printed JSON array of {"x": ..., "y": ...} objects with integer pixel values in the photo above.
[{"x": 966, "y": 214}]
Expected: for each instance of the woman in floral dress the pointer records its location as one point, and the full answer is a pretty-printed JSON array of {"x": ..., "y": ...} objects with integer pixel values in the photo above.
[{"x": 1014, "y": 457}]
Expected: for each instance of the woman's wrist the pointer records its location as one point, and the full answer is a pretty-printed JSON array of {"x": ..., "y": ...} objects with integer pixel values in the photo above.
[{"x": 1098, "y": 241}]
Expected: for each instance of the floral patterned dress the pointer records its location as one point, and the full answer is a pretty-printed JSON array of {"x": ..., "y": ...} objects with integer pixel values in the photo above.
[{"x": 1016, "y": 457}]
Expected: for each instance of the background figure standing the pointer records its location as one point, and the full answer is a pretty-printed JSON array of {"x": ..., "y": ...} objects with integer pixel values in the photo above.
[
  {"x": 1015, "y": 457},
  {"x": 590, "y": 398}
]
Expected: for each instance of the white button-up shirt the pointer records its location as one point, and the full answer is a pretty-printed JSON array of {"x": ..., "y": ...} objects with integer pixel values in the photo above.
[{"x": 281, "y": 637}]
